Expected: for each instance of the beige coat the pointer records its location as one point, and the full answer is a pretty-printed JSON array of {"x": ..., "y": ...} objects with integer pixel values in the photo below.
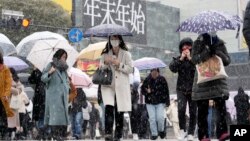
[{"x": 120, "y": 87}]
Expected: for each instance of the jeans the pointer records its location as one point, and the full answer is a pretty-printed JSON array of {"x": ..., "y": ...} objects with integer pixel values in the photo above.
[
  {"x": 77, "y": 121},
  {"x": 103, "y": 116},
  {"x": 156, "y": 118}
]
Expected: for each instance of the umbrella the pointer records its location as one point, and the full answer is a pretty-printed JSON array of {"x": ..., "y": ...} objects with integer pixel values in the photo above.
[
  {"x": 43, "y": 51},
  {"x": 148, "y": 63},
  {"x": 105, "y": 30},
  {"x": 6, "y": 46},
  {"x": 93, "y": 51},
  {"x": 16, "y": 63},
  {"x": 25, "y": 45},
  {"x": 79, "y": 78},
  {"x": 210, "y": 21}
]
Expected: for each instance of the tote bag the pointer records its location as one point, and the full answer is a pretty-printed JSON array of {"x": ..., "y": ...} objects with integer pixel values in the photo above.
[
  {"x": 211, "y": 69},
  {"x": 15, "y": 102},
  {"x": 103, "y": 76}
]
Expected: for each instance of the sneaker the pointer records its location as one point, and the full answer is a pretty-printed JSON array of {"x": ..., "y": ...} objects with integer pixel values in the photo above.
[
  {"x": 153, "y": 137},
  {"x": 108, "y": 137},
  {"x": 224, "y": 136},
  {"x": 135, "y": 137},
  {"x": 162, "y": 135},
  {"x": 205, "y": 139},
  {"x": 190, "y": 137},
  {"x": 183, "y": 134}
]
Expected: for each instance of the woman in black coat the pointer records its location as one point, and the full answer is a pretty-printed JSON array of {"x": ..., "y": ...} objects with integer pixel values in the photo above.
[
  {"x": 38, "y": 100},
  {"x": 206, "y": 46}
]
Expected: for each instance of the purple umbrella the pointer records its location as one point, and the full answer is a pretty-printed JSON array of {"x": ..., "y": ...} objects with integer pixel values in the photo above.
[
  {"x": 105, "y": 30},
  {"x": 14, "y": 62},
  {"x": 210, "y": 21},
  {"x": 148, "y": 63}
]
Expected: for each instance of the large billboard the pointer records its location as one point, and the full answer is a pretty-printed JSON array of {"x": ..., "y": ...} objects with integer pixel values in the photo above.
[
  {"x": 66, "y": 4},
  {"x": 128, "y": 13}
]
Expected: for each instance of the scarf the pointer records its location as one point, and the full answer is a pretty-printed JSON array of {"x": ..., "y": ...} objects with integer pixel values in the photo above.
[{"x": 59, "y": 64}]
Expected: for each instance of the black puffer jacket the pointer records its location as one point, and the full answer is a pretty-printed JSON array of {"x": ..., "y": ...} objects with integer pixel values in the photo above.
[
  {"x": 246, "y": 24},
  {"x": 159, "y": 90},
  {"x": 202, "y": 50},
  {"x": 185, "y": 70}
]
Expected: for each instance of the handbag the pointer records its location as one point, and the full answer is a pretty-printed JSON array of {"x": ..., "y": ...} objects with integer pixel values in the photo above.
[
  {"x": 103, "y": 76},
  {"x": 211, "y": 69},
  {"x": 15, "y": 102}
]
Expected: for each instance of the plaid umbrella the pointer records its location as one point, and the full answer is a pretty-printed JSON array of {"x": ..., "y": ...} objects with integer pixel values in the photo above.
[
  {"x": 210, "y": 21},
  {"x": 105, "y": 30}
]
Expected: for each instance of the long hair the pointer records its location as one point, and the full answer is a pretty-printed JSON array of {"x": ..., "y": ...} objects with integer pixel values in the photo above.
[
  {"x": 109, "y": 46},
  {"x": 14, "y": 75},
  {"x": 59, "y": 53}
]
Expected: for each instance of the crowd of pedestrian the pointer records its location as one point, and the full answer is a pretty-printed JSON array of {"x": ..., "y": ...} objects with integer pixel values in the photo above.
[{"x": 57, "y": 103}]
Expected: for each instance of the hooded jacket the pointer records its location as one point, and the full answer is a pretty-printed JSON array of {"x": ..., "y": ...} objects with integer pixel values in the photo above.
[
  {"x": 242, "y": 105},
  {"x": 184, "y": 68},
  {"x": 202, "y": 50}
]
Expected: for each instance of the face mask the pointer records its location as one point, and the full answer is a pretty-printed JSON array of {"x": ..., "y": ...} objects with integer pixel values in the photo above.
[{"x": 115, "y": 43}]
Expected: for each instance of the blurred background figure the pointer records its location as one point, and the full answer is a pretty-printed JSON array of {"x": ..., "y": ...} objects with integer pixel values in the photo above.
[
  {"x": 211, "y": 118},
  {"x": 93, "y": 121},
  {"x": 5, "y": 93},
  {"x": 86, "y": 116},
  {"x": 38, "y": 103},
  {"x": 172, "y": 113},
  {"x": 242, "y": 105}
]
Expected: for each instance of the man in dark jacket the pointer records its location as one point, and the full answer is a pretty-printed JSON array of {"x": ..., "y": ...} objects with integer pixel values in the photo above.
[
  {"x": 155, "y": 89},
  {"x": 185, "y": 69},
  {"x": 241, "y": 101},
  {"x": 246, "y": 25}
]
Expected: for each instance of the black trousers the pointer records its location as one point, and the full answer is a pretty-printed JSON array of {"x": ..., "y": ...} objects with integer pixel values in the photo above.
[
  {"x": 221, "y": 125},
  {"x": 135, "y": 119},
  {"x": 112, "y": 113},
  {"x": 58, "y": 132},
  {"x": 183, "y": 99}
]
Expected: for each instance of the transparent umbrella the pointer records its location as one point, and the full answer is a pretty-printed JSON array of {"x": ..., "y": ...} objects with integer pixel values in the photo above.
[
  {"x": 6, "y": 46},
  {"x": 26, "y": 44}
]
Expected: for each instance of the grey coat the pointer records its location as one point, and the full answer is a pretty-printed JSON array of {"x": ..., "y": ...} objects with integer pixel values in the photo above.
[
  {"x": 212, "y": 89},
  {"x": 56, "y": 99}
]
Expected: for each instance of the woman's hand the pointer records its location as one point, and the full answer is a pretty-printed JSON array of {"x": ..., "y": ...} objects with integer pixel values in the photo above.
[
  {"x": 107, "y": 59},
  {"x": 52, "y": 70}
]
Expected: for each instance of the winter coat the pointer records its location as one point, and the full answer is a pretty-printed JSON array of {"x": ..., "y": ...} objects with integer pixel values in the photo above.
[
  {"x": 5, "y": 90},
  {"x": 94, "y": 116},
  {"x": 246, "y": 24},
  {"x": 186, "y": 71},
  {"x": 241, "y": 101},
  {"x": 39, "y": 97},
  {"x": 80, "y": 101},
  {"x": 56, "y": 99},
  {"x": 24, "y": 101},
  {"x": 202, "y": 50},
  {"x": 159, "y": 90},
  {"x": 119, "y": 90},
  {"x": 184, "y": 68}
]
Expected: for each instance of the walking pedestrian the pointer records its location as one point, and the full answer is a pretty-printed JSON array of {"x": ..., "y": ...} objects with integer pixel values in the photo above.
[
  {"x": 5, "y": 93},
  {"x": 38, "y": 103},
  {"x": 57, "y": 91},
  {"x": 241, "y": 102},
  {"x": 172, "y": 113},
  {"x": 117, "y": 96},
  {"x": 155, "y": 89},
  {"x": 205, "y": 47},
  {"x": 246, "y": 26},
  {"x": 185, "y": 69}
]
